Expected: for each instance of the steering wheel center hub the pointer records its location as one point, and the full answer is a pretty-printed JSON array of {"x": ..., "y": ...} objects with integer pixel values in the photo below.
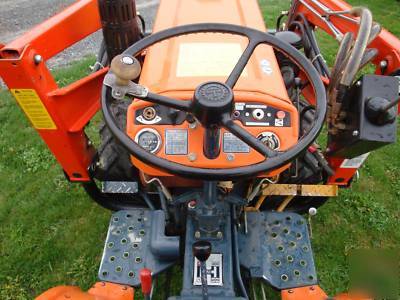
[
  {"x": 213, "y": 92},
  {"x": 211, "y": 101}
]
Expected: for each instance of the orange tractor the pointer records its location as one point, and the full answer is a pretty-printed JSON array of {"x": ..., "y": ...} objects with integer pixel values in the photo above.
[{"x": 209, "y": 154}]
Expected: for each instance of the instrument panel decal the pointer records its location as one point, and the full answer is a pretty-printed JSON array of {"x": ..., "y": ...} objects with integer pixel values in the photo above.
[
  {"x": 176, "y": 142},
  {"x": 232, "y": 144}
]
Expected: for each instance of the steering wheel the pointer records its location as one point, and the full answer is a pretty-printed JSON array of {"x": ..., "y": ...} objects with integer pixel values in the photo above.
[{"x": 213, "y": 104}]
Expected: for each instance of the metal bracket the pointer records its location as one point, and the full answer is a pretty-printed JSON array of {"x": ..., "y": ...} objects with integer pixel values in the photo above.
[{"x": 119, "y": 92}]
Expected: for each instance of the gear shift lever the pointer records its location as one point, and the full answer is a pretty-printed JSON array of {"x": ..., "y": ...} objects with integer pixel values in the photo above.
[{"x": 202, "y": 251}]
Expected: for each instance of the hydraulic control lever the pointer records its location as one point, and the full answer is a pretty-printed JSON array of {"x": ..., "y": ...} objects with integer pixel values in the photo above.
[{"x": 202, "y": 251}]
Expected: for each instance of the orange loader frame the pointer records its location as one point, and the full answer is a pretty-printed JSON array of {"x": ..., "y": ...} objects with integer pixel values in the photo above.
[{"x": 23, "y": 68}]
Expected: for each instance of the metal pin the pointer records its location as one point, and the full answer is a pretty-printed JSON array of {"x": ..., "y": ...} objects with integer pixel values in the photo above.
[{"x": 311, "y": 213}]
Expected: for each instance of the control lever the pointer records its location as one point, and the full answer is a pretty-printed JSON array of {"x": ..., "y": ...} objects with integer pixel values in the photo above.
[
  {"x": 146, "y": 283},
  {"x": 202, "y": 251}
]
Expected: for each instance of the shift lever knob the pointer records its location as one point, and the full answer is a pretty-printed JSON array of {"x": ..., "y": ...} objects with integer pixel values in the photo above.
[{"x": 202, "y": 250}]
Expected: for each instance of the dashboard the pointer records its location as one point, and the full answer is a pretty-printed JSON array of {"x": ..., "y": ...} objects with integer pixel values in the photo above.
[{"x": 178, "y": 137}]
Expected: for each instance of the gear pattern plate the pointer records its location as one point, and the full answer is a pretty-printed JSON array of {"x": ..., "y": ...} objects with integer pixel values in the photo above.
[
  {"x": 127, "y": 248},
  {"x": 277, "y": 249}
]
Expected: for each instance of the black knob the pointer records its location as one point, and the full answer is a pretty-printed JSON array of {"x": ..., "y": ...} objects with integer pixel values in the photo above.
[
  {"x": 380, "y": 111},
  {"x": 202, "y": 250}
]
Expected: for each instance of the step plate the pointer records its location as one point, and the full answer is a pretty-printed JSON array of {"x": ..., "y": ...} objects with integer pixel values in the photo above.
[
  {"x": 120, "y": 187},
  {"x": 127, "y": 248},
  {"x": 277, "y": 249}
]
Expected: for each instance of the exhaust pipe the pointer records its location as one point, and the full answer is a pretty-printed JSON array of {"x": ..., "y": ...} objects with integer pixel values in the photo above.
[{"x": 120, "y": 25}]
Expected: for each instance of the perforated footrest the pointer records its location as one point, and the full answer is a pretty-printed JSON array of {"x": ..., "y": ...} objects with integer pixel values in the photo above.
[
  {"x": 277, "y": 249},
  {"x": 129, "y": 247}
]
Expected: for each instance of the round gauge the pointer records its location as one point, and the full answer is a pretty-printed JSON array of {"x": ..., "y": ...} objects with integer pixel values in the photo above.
[
  {"x": 149, "y": 139},
  {"x": 270, "y": 139}
]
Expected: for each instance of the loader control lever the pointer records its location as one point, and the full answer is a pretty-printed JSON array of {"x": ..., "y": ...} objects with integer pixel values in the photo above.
[{"x": 212, "y": 105}]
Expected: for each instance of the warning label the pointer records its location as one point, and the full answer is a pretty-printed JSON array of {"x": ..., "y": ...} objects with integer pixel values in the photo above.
[
  {"x": 34, "y": 109},
  {"x": 354, "y": 163},
  {"x": 233, "y": 144}
]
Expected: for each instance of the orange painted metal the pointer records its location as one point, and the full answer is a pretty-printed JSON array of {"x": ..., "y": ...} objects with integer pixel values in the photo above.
[
  {"x": 304, "y": 293},
  {"x": 71, "y": 107},
  {"x": 100, "y": 291},
  {"x": 160, "y": 74}
]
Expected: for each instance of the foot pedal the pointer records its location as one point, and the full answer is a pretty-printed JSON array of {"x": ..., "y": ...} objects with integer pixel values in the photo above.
[
  {"x": 278, "y": 250},
  {"x": 136, "y": 240},
  {"x": 120, "y": 187}
]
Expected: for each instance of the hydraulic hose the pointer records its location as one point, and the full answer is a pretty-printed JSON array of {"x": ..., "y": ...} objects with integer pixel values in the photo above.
[{"x": 360, "y": 45}]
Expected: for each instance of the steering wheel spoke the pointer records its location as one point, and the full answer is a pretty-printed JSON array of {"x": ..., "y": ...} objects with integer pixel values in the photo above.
[
  {"x": 248, "y": 138},
  {"x": 242, "y": 63},
  {"x": 166, "y": 101}
]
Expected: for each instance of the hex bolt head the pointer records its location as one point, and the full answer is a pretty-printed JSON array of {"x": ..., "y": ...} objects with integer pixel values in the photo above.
[
  {"x": 355, "y": 133},
  {"x": 219, "y": 235},
  {"x": 197, "y": 234}
]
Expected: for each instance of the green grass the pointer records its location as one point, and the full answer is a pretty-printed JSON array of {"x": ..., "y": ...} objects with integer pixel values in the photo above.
[{"x": 52, "y": 234}]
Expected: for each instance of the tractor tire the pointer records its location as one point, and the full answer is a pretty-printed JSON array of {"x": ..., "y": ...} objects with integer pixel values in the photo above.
[{"x": 114, "y": 162}]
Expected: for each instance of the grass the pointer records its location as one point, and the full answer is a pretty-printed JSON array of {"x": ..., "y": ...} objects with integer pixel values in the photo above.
[{"x": 52, "y": 234}]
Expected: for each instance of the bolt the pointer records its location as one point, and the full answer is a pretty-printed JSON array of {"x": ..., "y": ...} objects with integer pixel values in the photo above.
[
  {"x": 355, "y": 133},
  {"x": 124, "y": 288},
  {"x": 37, "y": 59},
  {"x": 197, "y": 234},
  {"x": 103, "y": 283},
  {"x": 312, "y": 288},
  {"x": 230, "y": 157},
  {"x": 358, "y": 83},
  {"x": 118, "y": 93},
  {"x": 290, "y": 291},
  {"x": 193, "y": 125},
  {"x": 219, "y": 235},
  {"x": 312, "y": 211},
  {"x": 192, "y": 157},
  {"x": 383, "y": 64}
]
